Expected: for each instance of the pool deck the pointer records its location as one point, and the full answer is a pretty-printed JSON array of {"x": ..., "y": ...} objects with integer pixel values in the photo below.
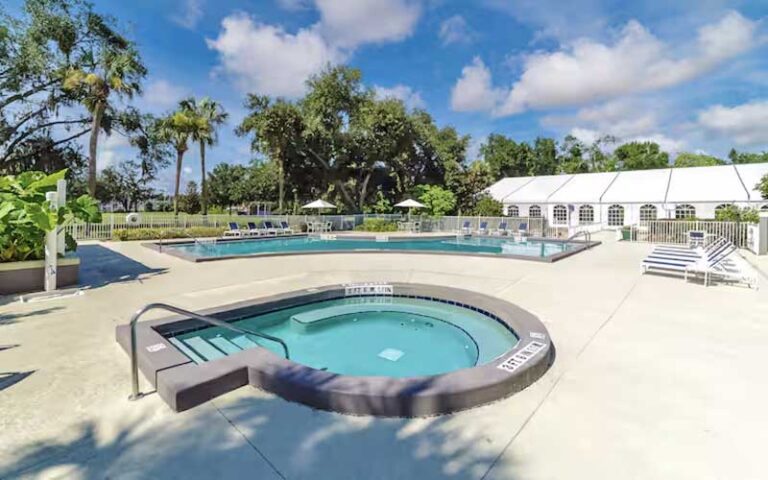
[{"x": 654, "y": 378}]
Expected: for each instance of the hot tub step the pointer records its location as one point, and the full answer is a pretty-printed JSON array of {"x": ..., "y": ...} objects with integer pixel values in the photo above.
[
  {"x": 201, "y": 346},
  {"x": 244, "y": 342},
  {"x": 186, "y": 350},
  {"x": 225, "y": 345}
]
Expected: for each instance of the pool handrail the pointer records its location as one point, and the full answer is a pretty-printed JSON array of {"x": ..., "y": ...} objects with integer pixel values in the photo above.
[{"x": 135, "y": 394}]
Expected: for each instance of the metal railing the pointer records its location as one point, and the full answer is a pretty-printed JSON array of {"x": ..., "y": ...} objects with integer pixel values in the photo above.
[
  {"x": 676, "y": 231},
  {"x": 135, "y": 394},
  {"x": 113, "y": 222}
]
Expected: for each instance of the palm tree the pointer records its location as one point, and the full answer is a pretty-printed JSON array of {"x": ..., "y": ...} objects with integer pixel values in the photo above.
[
  {"x": 176, "y": 129},
  {"x": 116, "y": 71},
  {"x": 209, "y": 115}
]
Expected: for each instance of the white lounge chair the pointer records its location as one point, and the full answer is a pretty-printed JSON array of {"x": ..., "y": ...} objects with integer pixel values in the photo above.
[
  {"x": 501, "y": 229},
  {"x": 483, "y": 228},
  {"x": 286, "y": 228},
  {"x": 466, "y": 228},
  {"x": 255, "y": 231},
  {"x": 234, "y": 230}
]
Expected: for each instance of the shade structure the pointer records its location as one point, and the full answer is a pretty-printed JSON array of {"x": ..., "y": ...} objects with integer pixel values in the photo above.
[
  {"x": 410, "y": 203},
  {"x": 317, "y": 204}
]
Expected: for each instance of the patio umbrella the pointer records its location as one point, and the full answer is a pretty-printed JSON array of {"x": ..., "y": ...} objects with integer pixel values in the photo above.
[
  {"x": 319, "y": 205},
  {"x": 410, "y": 204}
]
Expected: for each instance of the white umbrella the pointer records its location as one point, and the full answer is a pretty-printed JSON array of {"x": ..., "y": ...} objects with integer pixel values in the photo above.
[
  {"x": 410, "y": 204},
  {"x": 318, "y": 204}
]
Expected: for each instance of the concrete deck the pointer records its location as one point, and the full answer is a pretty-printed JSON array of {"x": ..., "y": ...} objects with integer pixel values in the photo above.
[{"x": 655, "y": 378}]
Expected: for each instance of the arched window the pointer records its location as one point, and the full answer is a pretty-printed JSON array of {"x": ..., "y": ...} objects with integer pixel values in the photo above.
[
  {"x": 586, "y": 214},
  {"x": 764, "y": 208},
  {"x": 648, "y": 213},
  {"x": 560, "y": 215},
  {"x": 513, "y": 211},
  {"x": 685, "y": 211},
  {"x": 615, "y": 216},
  {"x": 534, "y": 211}
]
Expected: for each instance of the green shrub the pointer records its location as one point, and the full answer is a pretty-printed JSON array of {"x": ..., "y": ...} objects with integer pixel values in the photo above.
[
  {"x": 377, "y": 225},
  {"x": 26, "y": 216},
  {"x": 128, "y": 234}
]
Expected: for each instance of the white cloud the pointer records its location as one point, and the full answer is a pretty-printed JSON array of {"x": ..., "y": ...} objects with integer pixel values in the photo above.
[
  {"x": 455, "y": 30},
  {"x": 405, "y": 93},
  {"x": 191, "y": 13},
  {"x": 587, "y": 71},
  {"x": 348, "y": 24},
  {"x": 474, "y": 90},
  {"x": 294, "y": 5},
  {"x": 268, "y": 60},
  {"x": 162, "y": 94},
  {"x": 111, "y": 149},
  {"x": 620, "y": 118},
  {"x": 746, "y": 124}
]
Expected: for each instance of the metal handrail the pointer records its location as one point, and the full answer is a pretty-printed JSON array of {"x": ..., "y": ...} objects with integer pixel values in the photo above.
[
  {"x": 213, "y": 321},
  {"x": 585, "y": 233}
]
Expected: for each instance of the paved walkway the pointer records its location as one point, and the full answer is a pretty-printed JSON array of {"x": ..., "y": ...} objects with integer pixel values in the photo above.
[{"x": 655, "y": 378}]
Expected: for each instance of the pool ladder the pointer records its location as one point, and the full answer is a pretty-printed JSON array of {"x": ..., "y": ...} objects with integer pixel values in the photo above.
[
  {"x": 135, "y": 394},
  {"x": 581, "y": 233}
]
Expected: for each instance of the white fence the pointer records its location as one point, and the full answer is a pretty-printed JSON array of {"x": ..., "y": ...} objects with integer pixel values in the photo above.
[
  {"x": 676, "y": 231},
  {"x": 112, "y": 222}
]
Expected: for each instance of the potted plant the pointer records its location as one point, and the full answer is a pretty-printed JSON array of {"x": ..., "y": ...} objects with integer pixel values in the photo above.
[{"x": 25, "y": 217}]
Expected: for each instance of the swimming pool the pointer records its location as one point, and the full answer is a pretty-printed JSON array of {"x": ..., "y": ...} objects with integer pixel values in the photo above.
[
  {"x": 368, "y": 335},
  {"x": 366, "y": 349},
  {"x": 532, "y": 249}
]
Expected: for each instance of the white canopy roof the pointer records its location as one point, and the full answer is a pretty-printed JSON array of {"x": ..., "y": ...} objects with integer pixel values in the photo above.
[
  {"x": 717, "y": 184},
  {"x": 638, "y": 187},
  {"x": 506, "y": 186},
  {"x": 706, "y": 184},
  {"x": 317, "y": 204},
  {"x": 584, "y": 188},
  {"x": 538, "y": 189},
  {"x": 410, "y": 203},
  {"x": 750, "y": 174}
]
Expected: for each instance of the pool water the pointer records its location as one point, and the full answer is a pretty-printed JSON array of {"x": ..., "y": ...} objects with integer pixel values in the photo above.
[
  {"x": 368, "y": 336},
  {"x": 482, "y": 245}
]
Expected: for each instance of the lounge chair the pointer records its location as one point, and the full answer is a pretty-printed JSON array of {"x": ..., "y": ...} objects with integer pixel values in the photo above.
[
  {"x": 268, "y": 228},
  {"x": 501, "y": 229},
  {"x": 710, "y": 262},
  {"x": 466, "y": 228},
  {"x": 255, "y": 231},
  {"x": 234, "y": 230},
  {"x": 522, "y": 229},
  {"x": 286, "y": 228},
  {"x": 483, "y": 228},
  {"x": 697, "y": 238}
]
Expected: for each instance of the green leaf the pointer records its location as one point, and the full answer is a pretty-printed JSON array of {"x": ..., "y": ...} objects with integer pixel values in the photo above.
[{"x": 47, "y": 183}]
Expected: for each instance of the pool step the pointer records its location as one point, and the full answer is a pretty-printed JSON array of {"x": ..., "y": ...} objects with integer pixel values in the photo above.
[
  {"x": 200, "y": 349},
  {"x": 204, "y": 348},
  {"x": 224, "y": 345}
]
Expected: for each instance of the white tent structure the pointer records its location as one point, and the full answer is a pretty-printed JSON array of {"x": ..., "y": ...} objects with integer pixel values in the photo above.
[{"x": 613, "y": 199}]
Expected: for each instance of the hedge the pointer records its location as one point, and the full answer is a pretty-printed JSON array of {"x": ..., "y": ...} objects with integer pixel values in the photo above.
[
  {"x": 165, "y": 233},
  {"x": 377, "y": 225}
]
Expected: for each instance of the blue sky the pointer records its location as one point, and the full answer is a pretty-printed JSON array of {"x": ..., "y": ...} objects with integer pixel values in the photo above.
[{"x": 692, "y": 75}]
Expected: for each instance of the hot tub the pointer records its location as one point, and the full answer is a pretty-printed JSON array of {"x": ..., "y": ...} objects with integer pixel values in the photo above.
[{"x": 373, "y": 349}]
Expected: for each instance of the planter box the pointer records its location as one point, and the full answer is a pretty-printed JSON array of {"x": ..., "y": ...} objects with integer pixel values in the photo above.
[{"x": 28, "y": 276}]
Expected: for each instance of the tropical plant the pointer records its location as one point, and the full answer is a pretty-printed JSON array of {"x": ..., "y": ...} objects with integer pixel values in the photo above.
[
  {"x": 487, "y": 206},
  {"x": 176, "y": 130},
  {"x": 114, "y": 68},
  {"x": 688, "y": 159},
  {"x": 732, "y": 213},
  {"x": 26, "y": 215},
  {"x": 377, "y": 225},
  {"x": 209, "y": 115},
  {"x": 762, "y": 186},
  {"x": 437, "y": 200}
]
